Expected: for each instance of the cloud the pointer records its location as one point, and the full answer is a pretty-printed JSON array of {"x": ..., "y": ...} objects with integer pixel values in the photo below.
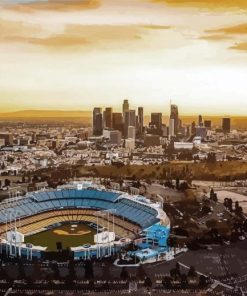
[
  {"x": 233, "y": 30},
  {"x": 71, "y": 36},
  {"x": 157, "y": 27},
  {"x": 215, "y": 37},
  {"x": 242, "y": 46},
  {"x": 11, "y": 30},
  {"x": 57, "y": 41},
  {"x": 208, "y": 4},
  {"x": 226, "y": 33},
  {"x": 75, "y": 35},
  {"x": 56, "y": 5}
]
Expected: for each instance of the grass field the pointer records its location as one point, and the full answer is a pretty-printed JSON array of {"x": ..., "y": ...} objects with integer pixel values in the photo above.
[{"x": 63, "y": 234}]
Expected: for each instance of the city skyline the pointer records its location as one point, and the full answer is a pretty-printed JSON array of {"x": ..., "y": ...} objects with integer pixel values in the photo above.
[{"x": 74, "y": 55}]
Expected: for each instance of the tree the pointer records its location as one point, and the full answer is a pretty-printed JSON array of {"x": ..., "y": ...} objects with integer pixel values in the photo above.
[
  {"x": 184, "y": 281},
  {"x": 239, "y": 211},
  {"x": 89, "y": 272},
  {"x": 211, "y": 223},
  {"x": 141, "y": 273},
  {"x": 245, "y": 225},
  {"x": 21, "y": 270},
  {"x": 230, "y": 204},
  {"x": 72, "y": 271},
  {"x": 178, "y": 269},
  {"x": 211, "y": 157},
  {"x": 225, "y": 202},
  {"x": 55, "y": 270},
  {"x": 124, "y": 275},
  {"x": 184, "y": 186},
  {"x": 148, "y": 283},
  {"x": 6, "y": 182},
  {"x": 192, "y": 272},
  {"x": 167, "y": 282},
  {"x": 202, "y": 281},
  {"x": 211, "y": 193}
]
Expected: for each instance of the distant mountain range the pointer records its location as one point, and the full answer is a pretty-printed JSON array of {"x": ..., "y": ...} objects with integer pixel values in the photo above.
[
  {"x": 45, "y": 113},
  {"x": 86, "y": 117}
]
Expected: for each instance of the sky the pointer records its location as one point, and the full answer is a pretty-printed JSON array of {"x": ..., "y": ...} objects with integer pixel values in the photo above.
[{"x": 76, "y": 54}]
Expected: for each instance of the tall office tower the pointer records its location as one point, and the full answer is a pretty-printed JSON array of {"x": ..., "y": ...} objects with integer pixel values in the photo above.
[
  {"x": 97, "y": 121},
  {"x": 137, "y": 124},
  {"x": 226, "y": 124},
  {"x": 174, "y": 116},
  {"x": 207, "y": 124},
  {"x": 188, "y": 131},
  {"x": 200, "y": 122},
  {"x": 201, "y": 131},
  {"x": 117, "y": 121},
  {"x": 8, "y": 139},
  {"x": 165, "y": 131},
  {"x": 115, "y": 137},
  {"x": 156, "y": 119},
  {"x": 108, "y": 117},
  {"x": 131, "y": 132},
  {"x": 129, "y": 120},
  {"x": 179, "y": 124},
  {"x": 125, "y": 106},
  {"x": 193, "y": 128},
  {"x": 151, "y": 140},
  {"x": 171, "y": 127},
  {"x": 140, "y": 120}
]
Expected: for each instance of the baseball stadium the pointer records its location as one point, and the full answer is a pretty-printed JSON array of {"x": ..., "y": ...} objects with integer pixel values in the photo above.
[{"x": 83, "y": 219}]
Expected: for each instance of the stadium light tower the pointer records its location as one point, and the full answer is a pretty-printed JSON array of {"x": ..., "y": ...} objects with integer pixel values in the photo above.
[
  {"x": 105, "y": 213},
  {"x": 111, "y": 211},
  {"x": 11, "y": 216},
  {"x": 9, "y": 225}
]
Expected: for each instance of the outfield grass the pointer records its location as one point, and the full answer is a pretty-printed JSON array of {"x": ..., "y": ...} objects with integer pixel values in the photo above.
[{"x": 49, "y": 238}]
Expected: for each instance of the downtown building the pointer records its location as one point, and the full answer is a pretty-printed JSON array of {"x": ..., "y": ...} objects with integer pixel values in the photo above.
[{"x": 97, "y": 121}]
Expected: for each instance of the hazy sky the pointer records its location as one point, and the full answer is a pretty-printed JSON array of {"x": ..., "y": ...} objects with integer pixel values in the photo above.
[{"x": 75, "y": 54}]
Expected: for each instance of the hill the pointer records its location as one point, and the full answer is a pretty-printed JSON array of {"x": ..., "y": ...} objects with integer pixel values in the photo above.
[{"x": 45, "y": 113}]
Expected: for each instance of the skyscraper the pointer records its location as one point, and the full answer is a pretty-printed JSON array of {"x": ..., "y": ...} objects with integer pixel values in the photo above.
[
  {"x": 207, "y": 124},
  {"x": 171, "y": 127},
  {"x": 8, "y": 139},
  {"x": 174, "y": 116},
  {"x": 140, "y": 120},
  {"x": 129, "y": 120},
  {"x": 200, "y": 122},
  {"x": 117, "y": 121},
  {"x": 108, "y": 117},
  {"x": 193, "y": 128},
  {"x": 115, "y": 137},
  {"x": 156, "y": 119},
  {"x": 226, "y": 124},
  {"x": 201, "y": 131},
  {"x": 131, "y": 132},
  {"x": 97, "y": 121},
  {"x": 137, "y": 124},
  {"x": 125, "y": 106}
]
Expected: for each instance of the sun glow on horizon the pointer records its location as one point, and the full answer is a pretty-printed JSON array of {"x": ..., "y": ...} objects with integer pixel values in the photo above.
[{"x": 81, "y": 55}]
